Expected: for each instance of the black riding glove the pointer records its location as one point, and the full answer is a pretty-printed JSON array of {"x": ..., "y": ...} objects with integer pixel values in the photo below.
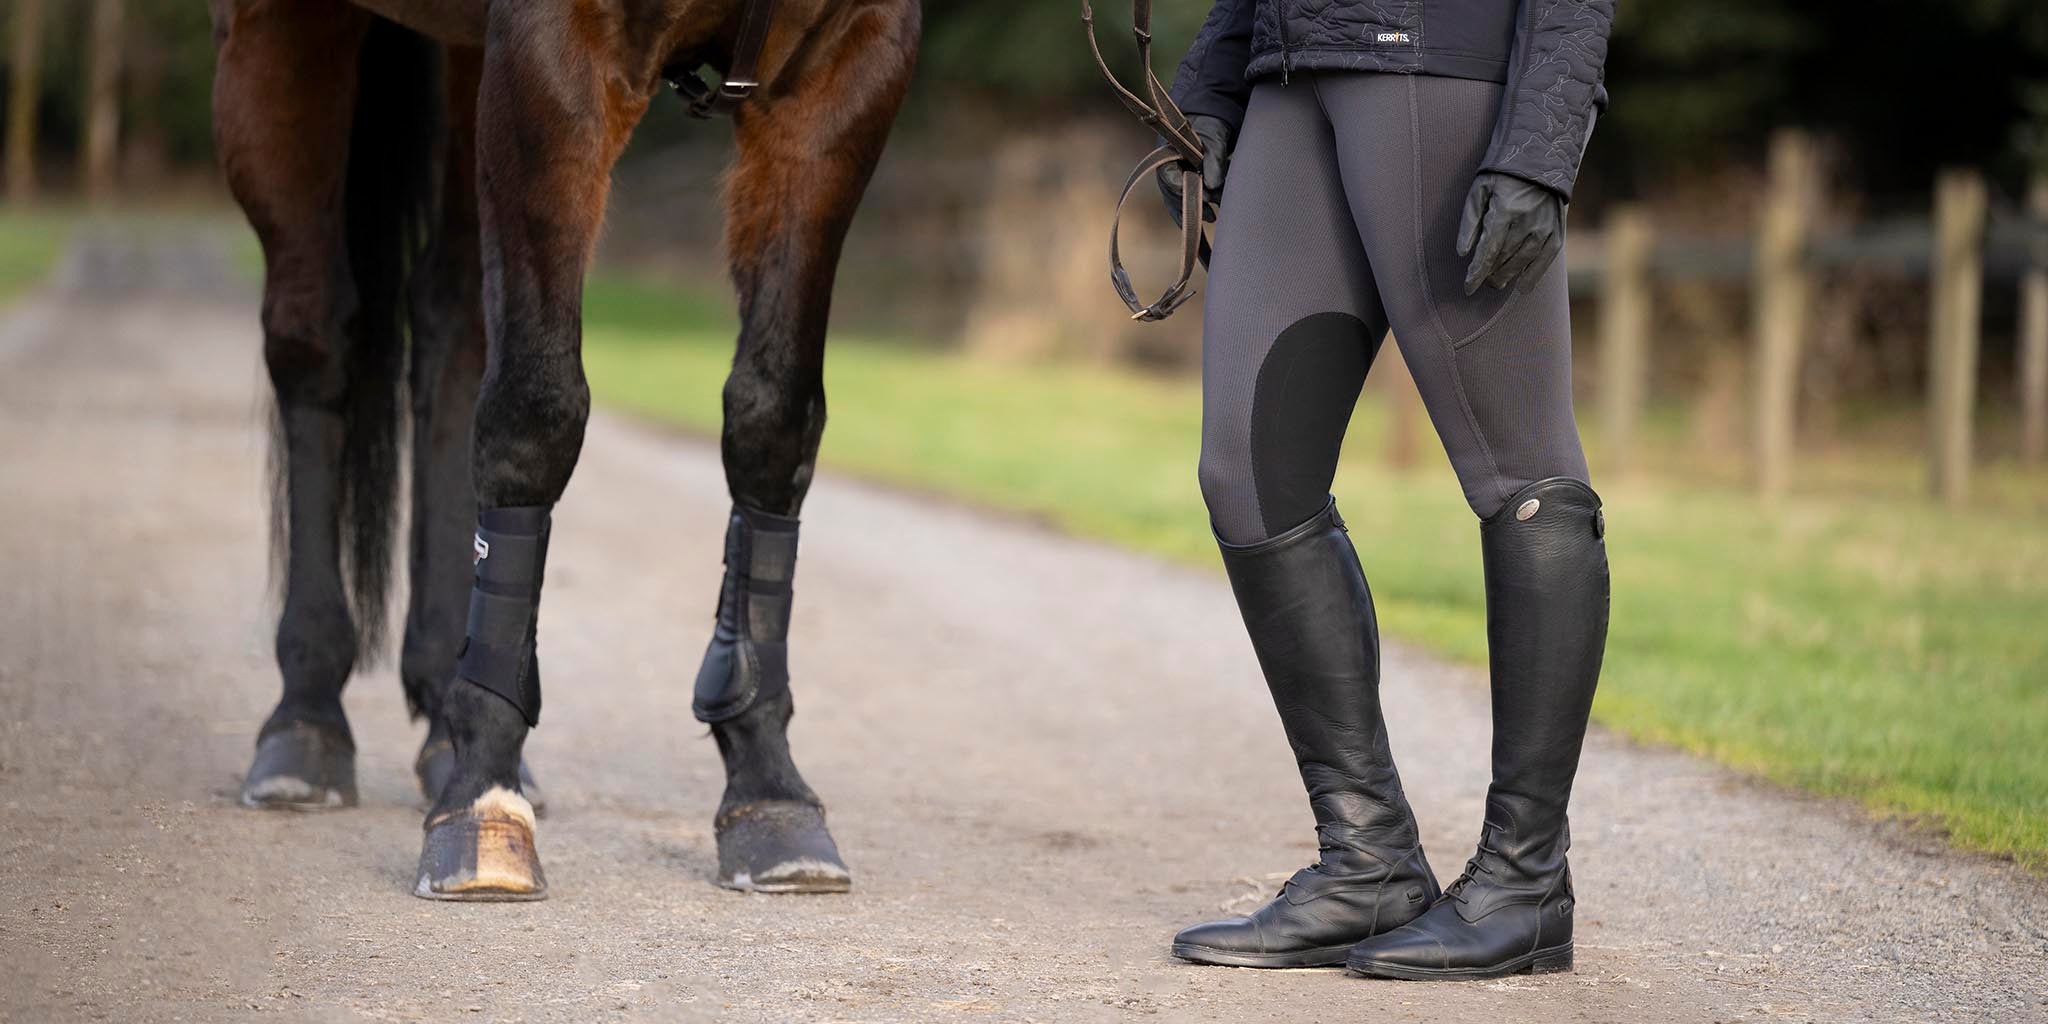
[
  {"x": 1215, "y": 134},
  {"x": 1512, "y": 230}
]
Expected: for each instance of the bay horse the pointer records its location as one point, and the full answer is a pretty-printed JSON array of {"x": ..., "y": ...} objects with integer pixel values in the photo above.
[{"x": 427, "y": 180}]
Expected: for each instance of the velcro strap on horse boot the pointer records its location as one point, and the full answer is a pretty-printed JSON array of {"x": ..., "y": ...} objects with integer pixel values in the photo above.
[
  {"x": 748, "y": 659},
  {"x": 511, "y": 557}
]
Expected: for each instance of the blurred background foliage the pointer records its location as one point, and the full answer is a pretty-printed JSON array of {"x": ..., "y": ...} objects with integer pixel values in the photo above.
[
  {"x": 167, "y": 87},
  {"x": 1697, "y": 84}
]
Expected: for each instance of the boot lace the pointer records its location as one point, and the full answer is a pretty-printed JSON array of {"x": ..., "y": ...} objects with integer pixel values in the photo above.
[
  {"x": 1477, "y": 865},
  {"x": 1330, "y": 837}
]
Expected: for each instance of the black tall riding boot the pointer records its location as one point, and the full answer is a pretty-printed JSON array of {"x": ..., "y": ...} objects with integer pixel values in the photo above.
[
  {"x": 1546, "y": 617},
  {"x": 1310, "y": 617}
]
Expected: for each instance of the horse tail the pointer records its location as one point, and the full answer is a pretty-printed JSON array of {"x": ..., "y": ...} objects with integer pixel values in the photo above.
[{"x": 389, "y": 202}]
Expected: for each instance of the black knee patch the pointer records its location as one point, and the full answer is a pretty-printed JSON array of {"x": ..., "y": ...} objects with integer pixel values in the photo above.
[
  {"x": 1301, "y": 405},
  {"x": 511, "y": 557},
  {"x": 748, "y": 659}
]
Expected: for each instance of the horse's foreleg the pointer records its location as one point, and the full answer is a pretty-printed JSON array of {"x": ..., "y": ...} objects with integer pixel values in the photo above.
[
  {"x": 805, "y": 156},
  {"x": 283, "y": 144},
  {"x": 447, "y": 365},
  {"x": 551, "y": 121}
]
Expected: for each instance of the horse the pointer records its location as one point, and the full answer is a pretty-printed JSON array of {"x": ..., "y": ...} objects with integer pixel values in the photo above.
[{"x": 427, "y": 180}]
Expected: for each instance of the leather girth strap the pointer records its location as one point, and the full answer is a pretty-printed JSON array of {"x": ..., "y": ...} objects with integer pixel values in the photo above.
[
  {"x": 1179, "y": 145},
  {"x": 742, "y": 74},
  {"x": 511, "y": 558}
]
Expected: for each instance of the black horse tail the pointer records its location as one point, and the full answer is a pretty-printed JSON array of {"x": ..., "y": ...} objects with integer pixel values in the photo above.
[{"x": 390, "y": 200}]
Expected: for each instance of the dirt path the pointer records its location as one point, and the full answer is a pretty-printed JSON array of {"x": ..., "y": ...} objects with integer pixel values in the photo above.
[{"x": 1041, "y": 755}]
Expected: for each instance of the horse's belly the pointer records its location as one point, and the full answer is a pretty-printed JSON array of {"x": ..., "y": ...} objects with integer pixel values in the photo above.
[{"x": 460, "y": 22}]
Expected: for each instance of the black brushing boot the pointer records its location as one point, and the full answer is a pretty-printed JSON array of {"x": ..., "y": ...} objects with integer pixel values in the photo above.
[
  {"x": 770, "y": 839},
  {"x": 479, "y": 843},
  {"x": 1310, "y": 617},
  {"x": 1546, "y": 616}
]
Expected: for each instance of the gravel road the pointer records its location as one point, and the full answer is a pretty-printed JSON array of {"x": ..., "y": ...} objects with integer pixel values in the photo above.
[{"x": 1041, "y": 757}]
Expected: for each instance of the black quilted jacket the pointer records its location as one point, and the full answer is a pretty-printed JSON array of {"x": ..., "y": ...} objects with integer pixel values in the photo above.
[{"x": 1551, "y": 54}]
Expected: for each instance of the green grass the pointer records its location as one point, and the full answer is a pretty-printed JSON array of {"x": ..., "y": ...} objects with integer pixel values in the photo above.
[
  {"x": 30, "y": 242},
  {"x": 1872, "y": 647}
]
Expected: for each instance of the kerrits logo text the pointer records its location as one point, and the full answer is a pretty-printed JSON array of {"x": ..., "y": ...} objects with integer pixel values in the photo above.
[{"x": 1393, "y": 37}]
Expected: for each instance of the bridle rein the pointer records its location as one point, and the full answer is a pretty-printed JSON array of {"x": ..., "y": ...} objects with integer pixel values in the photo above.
[
  {"x": 1179, "y": 146},
  {"x": 742, "y": 75}
]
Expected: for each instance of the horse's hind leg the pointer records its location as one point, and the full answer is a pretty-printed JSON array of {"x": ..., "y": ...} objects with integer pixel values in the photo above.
[
  {"x": 283, "y": 140},
  {"x": 552, "y": 118},
  {"x": 805, "y": 155},
  {"x": 447, "y": 366}
]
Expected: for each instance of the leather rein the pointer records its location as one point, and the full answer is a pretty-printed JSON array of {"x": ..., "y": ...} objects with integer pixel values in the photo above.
[
  {"x": 1180, "y": 146},
  {"x": 742, "y": 76}
]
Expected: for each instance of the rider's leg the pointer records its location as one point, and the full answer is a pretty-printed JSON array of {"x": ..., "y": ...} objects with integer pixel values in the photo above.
[
  {"x": 1291, "y": 324},
  {"x": 1494, "y": 370}
]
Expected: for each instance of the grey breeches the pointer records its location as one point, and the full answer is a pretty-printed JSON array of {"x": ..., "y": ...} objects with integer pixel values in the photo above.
[{"x": 1339, "y": 220}]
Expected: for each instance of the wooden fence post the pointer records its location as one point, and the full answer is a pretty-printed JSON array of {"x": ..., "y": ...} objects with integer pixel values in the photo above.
[
  {"x": 1957, "y": 287},
  {"x": 2034, "y": 337},
  {"x": 22, "y": 94},
  {"x": 103, "y": 100},
  {"x": 1781, "y": 287},
  {"x": 1404, "y": 406},
  {"x": 1624, "y": 333}
]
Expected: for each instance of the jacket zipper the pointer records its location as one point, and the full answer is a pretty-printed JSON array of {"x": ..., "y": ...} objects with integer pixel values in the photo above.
[{"x": 1286, "y": 58}]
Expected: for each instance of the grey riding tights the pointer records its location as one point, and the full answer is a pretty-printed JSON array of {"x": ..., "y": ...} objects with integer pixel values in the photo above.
[{"x": 1339, "y": 219}]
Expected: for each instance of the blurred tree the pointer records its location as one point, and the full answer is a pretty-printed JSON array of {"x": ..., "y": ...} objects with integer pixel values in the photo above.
[
  {"x": 1903, "y": 87},
  {"x": 1036, "y": 53},
  {"x": 103, "y": 100},
  {"x": 23, "y": 92},
  {"x": 160, "y": 72},
  {"x": 169, "y": 84}
]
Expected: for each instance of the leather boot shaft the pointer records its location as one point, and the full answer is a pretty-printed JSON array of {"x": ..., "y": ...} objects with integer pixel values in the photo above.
[
  {"x": 1546, "y": 614},
  {"x": 1310, "y": 616},
  {"x": 1546, "y": 631}
]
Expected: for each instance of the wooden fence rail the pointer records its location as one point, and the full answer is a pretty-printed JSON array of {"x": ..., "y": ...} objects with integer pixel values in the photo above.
[{"x": 2013, "y": 247}]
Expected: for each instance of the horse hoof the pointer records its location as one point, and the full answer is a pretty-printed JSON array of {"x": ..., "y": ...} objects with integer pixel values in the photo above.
[
  {"x": 436, "y": 765},
  {"x": 482, "y": 853},
  {"x": 779, "y": 846},
  {"x": 302, "y": 767}
]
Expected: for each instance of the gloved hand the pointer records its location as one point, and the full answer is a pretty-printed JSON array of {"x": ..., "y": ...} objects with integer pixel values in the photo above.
[
  {"x": 1512, "y": 230},
  {"x": 1215, "y": 134}
]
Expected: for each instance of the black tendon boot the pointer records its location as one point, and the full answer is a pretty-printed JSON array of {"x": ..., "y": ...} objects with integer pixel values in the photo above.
[
  {"x": 748, "y": 660},
  {"x": 770, "y": 827},
  {"x": 479, "y": 842},
  {"x": 498, "y": 652},
  {"x": 1546, "y": 617},
  {"x": 1310, "y": 617}
]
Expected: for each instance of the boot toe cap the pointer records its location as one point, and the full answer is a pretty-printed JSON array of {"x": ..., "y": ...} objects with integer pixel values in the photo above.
[{"x": 1232, "y": 935}]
